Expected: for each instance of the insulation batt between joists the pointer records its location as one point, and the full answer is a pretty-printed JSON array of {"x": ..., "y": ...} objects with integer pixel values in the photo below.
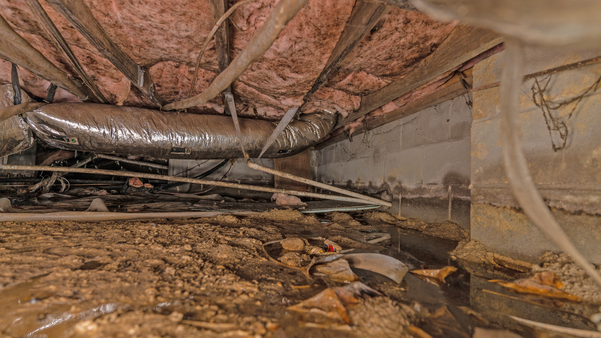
[{"x": 166, "y": 37}]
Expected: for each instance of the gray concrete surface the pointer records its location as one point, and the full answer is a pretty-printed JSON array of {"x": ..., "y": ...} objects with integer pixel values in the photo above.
[
  {"x": 568, "y": 179},
  {"x": 415, "y": 159}
]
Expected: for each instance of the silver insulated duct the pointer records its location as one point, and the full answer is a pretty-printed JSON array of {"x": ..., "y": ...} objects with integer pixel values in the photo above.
[
  {"x": 15, "y": 135},
  {"x": 134, "y": 131}
]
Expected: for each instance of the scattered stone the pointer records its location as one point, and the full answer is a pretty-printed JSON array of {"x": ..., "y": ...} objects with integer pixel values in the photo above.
[
  {"x": 475, "y": 252},
  {"x": 446, "y": 230},
  {"x": 575, "y": 280},
  {"x": 337, "y": 271},
  {"x": 379, "y": 217},
  {"x": 343, "y": 219},
  {"x": 293, "y": 244},
  {"x": 382, "y": 317},
  {"x": 335, "y": 226},
  {"x": 176, "y": 316},
  {"x": 160, "y": 277},
  {"x": 292, "y": 259}
]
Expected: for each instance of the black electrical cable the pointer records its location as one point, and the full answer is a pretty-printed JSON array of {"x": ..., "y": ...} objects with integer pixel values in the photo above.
[
  {"x": 14, "y": 77},
  {"x": 51, "y": 92},
  {"x": 201, "y": 176}
]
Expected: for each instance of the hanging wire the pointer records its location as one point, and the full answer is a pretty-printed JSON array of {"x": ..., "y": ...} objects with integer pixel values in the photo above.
[{"x": 557, "y": 125}]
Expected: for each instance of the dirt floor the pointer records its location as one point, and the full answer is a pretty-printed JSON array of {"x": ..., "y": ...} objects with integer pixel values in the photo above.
[
  {"x": 211, "y": 277},
  {"x": 206, "y": 277}
]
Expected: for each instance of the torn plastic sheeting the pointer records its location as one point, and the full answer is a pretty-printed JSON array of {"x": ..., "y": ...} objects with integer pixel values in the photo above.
[
  {"x": 382, "y": 264},
  {"x": 126, "y": 130},
  {"x": 378, "y": 263},
  {"x": 15, "y": 134}
]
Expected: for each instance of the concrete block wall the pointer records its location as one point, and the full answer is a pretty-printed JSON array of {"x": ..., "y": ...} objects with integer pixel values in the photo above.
[
  {"x": 568, "y": 179},
  {"x": 416, "y": 158}
]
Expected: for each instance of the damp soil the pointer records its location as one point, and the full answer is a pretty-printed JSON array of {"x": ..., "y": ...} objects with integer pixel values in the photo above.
[{"x": 211, "y": 278}]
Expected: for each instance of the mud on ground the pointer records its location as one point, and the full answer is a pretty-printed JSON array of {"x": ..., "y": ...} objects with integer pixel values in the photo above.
[{"x": 201, "y": 277}]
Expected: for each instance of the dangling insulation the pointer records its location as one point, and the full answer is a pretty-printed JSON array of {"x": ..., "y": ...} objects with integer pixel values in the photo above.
[
  {"x": 134, "y": 131},
  {"x": 15, "y": 134}
]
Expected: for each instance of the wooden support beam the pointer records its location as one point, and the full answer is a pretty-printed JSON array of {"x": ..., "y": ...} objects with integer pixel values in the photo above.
[
  {"x": 10, "y": 111},
  {"x": 222, "y": 40},
  {"x": 363, "y": 18},
  {"x": 450, "y": 90},
  {"x": 17, "y": 50},
  {"x": 298, "y": 165},
  {"x": 57, "y": 38},
  {"x": 463, "y": 44},
  {"x": 80, "y": 16}
]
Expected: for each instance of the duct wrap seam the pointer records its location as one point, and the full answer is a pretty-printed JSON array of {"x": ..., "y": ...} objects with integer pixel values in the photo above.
[
  {"x": 135, "y": 131},
  {"x": 15, "y": 134}
]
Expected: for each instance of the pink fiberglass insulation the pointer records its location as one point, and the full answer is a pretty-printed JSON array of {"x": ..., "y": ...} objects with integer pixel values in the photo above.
[
  {"x": 165, "y": 36},
  {"x": 398, "y": 42},
  {"x": 35, "y": 85}
]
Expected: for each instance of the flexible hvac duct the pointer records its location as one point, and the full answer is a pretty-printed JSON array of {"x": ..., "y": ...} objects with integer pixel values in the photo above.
[
  {"x": 15, "y": 135},
  {"x": 134, "y": 131}
]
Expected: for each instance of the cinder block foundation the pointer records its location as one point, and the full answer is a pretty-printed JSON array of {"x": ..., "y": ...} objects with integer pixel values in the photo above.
[
  {"x": 568, "y": 179},
  {"x": 416, "y": 159},
  {"x": 451, "y": 145}
]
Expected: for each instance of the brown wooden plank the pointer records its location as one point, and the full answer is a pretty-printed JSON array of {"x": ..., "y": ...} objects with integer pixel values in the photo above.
[
  {"x": 463, "y": 44},
  {"x": 80, "y": 16},
  {"x": 450, "y": 90},
  {"x": 57, "y": 38},
  {"x": 298, "y": 165},
  {"x": 363, "y": 18},
  {"x": 222, "y": 41}
]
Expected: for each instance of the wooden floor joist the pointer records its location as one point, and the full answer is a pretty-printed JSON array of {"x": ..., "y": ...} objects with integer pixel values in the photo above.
[
  {"x": 80, "y": 16},
  {"x": 463, "y": 44},
  {"x": 17, "y": 50},
  {"x": 222, "y": 40},
  {"x": 364, "y": 17},
  {"x": 450, "y": 90},
  {"x": 258, "y": 44},
  {"x": 53, "y": 32}
]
